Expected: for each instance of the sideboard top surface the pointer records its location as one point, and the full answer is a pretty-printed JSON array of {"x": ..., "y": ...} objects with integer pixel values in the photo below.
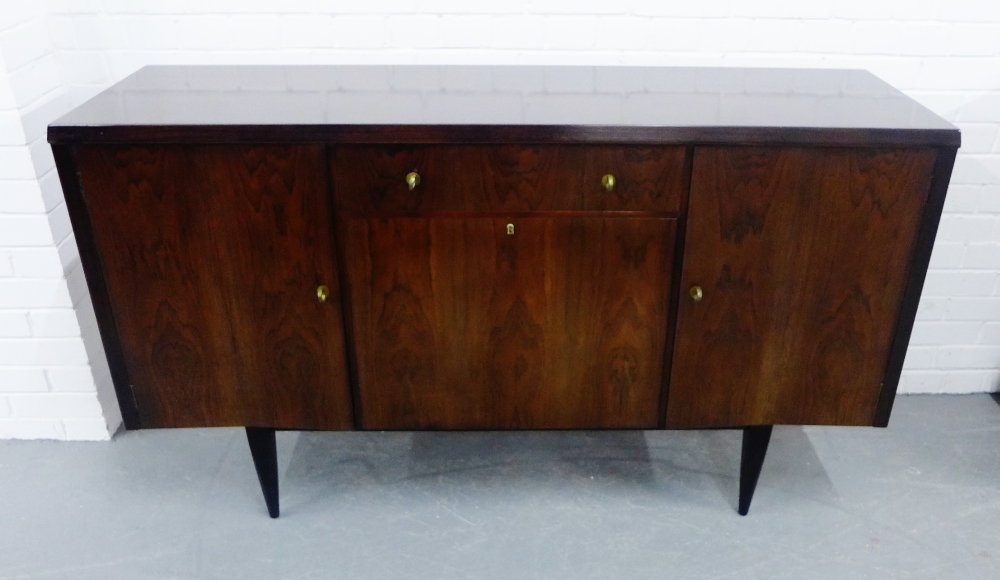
[{"x": 502, "y": 104}]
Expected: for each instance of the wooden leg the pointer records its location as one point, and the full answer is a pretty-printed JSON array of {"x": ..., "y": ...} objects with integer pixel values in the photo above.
[
  {"x": 755, "y": 440},
  {"x": 264, "y": 450}
]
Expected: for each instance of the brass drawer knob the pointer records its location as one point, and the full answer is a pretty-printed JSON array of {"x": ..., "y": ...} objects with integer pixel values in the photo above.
[
  {"x": 322, "y": 293},
  {"x": 608, "y": 181},
  {"x": 696, "y": 293},
  {"x": 510, "y": 229},
  {"x": 412, "y": 180}
]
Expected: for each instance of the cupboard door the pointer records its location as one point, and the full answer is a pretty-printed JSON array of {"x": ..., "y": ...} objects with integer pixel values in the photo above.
[
  {"x": 483, "y": 323},
  {"x": 802, "y": 256},
  {"x": 212, "y": 257}
]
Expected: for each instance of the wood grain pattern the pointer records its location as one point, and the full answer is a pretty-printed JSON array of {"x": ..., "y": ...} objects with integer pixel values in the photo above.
[
  {"x": 458, "y": 325},
  {"x": 944, "y": 161},
  {"x": 803, "y": 256},
  {"x": 371, "y": 179},
  {"x": 90, "y": 260},
  {"x": 212, "y": 256}
]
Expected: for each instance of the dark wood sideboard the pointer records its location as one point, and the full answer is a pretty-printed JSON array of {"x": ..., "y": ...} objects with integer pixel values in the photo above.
[{"x": 438, "y": 247}]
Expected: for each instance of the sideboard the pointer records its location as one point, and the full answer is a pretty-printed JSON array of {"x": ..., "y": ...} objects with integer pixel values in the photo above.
[{"x": 503, "y": 247}]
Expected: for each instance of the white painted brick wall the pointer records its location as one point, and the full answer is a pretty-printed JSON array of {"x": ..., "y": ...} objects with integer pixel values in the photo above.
[
  {"x": 47, "y": 385},
  {"x": 944, "y": 54}
]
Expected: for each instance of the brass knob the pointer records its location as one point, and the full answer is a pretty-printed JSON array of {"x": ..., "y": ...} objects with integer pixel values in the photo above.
[
  {"x": 412, "y": 180},
  {"x": 696, "y": 293},
  {"x": 608, "y": 181},
  {"x": 322, "y": 293},
  {"x": 510, "y": 229}
]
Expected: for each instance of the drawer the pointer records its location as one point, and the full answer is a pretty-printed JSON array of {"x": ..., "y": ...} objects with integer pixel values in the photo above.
[{"x": 372, "y": 179}]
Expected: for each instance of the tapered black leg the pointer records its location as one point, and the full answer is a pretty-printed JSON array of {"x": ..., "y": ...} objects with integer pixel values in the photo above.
[
  {"x": 264, "y": 450},
  {"x": 755, "y": 440}
]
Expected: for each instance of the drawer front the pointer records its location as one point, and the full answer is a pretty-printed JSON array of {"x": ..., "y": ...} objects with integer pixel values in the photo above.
[
  {"x": 527, "y": 323},
  {"x": 510, "y": 178}
]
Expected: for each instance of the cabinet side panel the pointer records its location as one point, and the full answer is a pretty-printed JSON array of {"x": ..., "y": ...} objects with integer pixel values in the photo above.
[
  {"x": 460, "y": 325},
  {"x": 212, "y": 256},
  {"x": 69, "y": 177},
  {"x": 943, "y": 164},
  {"x": 803, "y": 256}
]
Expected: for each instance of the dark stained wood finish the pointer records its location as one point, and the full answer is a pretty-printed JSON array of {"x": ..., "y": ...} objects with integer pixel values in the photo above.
[
  {"x": 755, "y": 440},
  {"x": 803, "y": 255},
  {"x": 90, "y": 259},
  {"x": 202, "y": 199},
  {"x": 264, "y": 451},
  {"x": 920, "y": 260},
  {"x": 504, "y": 135},
  {"x": 371, "y": 179},
  {"x": 212, "y": 256},
  {"x": 458, "y": 325},
  {"x": 675, "y": 290},
  {"x": 502, "y": 104}
]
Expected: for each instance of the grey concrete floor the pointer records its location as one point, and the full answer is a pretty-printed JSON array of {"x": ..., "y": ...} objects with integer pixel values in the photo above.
[{"x": 920, "y": 499}]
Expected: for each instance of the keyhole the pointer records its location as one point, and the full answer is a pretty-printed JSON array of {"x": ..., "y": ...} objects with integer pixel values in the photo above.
[{"x": 510, "y": 229}]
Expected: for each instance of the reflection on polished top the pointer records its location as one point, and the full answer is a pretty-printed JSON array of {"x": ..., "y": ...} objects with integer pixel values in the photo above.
[{"x": 602, "y": 103}]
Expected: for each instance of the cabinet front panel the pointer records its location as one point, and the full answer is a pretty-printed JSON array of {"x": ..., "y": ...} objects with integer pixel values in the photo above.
[
  {"x": 212, "y": 257},
  {"x": 510, "y": 178},
  {"x": 483, "y": 323},
  {"x": 802, "y": 257}
]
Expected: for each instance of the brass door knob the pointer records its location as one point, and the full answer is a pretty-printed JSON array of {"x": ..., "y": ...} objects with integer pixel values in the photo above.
[
  {"x": 696, "y": 293},
  {"x": 412, "y": 180},
  {"x": 322, "y": 293},
  {"x": 608, "y": 181}
]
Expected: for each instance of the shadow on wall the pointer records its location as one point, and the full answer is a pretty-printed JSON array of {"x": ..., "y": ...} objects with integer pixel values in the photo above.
[{"x": 955, "y": 345}]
